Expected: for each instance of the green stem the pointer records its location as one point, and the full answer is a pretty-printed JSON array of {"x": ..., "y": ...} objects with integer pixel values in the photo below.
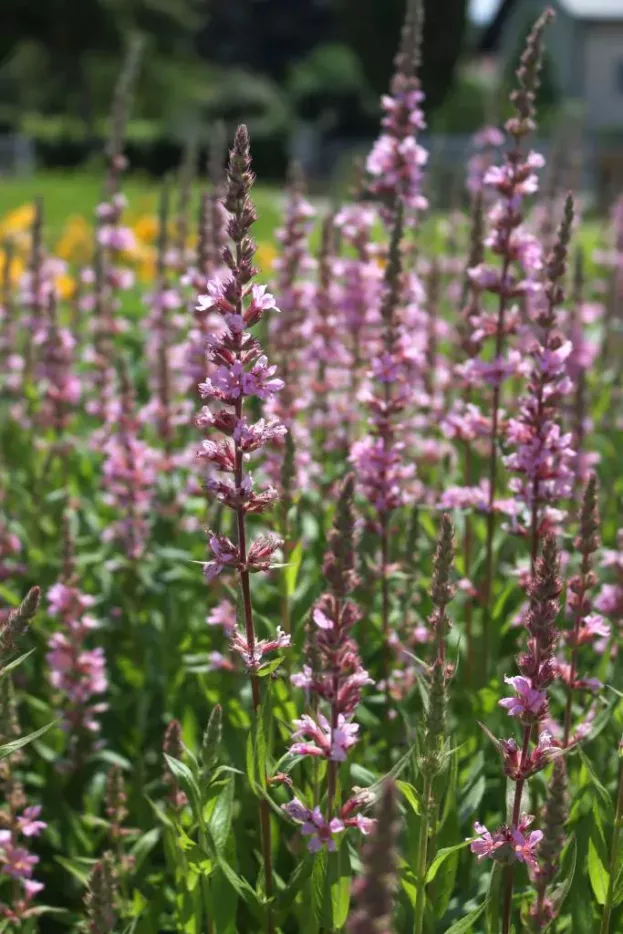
[
  {"x": 614, "y": 853},
  {"x": 205, "y": 886},
  {"x": 422, "y": 860}
]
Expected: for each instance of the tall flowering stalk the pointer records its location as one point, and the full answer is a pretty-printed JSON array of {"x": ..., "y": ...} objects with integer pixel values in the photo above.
[
  {"x": 543, "y": 457},
  {"x": 359, "y": 296},
  {"x": 59, "y": 386},
  {"x": 435, "y": 729},
  {"x": 373, "y": 892},
  {"x": 553, "y": 818},
  {"x": 520, "y": 259},
  {"x": 19, "y": 821},
  {"x": 129, "y": 476},
  {"x": 464, "y": 421},
  {"x": 378, "y": 458},
  {"x": 100, "y": 900},
  {"x": 75, "y": 672},
  {"x": 163, "y": 410},
  {"x": 514, "y": 842},
  {"x": 8, "y": 331},
  {"x": 334, "y": 678},
  {"x": 240, "y": 373},
  {"x": 579, "y": 362},
  {"x": 395, "y": 164},
  {"x": 586, "y": 626}
]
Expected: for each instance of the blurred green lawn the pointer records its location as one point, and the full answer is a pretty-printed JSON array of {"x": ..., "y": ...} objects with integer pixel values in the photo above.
[
  {"x": 72, "y": 192},
  {"x": 78, "y": 191}
]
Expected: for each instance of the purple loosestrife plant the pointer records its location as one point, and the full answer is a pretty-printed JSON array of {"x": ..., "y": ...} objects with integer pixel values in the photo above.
[
  {"x": 334, "y": 679},
  {"x": 100, "y": 900},
  {"x": 554, "y": 815},
  {"x": 514, "y": 842},
  {"x": 520, "y": 261},
  {"x": 373, "y": 892},
  {"x": 359, "y": 297},
  {"x": 11, "y": 363},
  {"x": 435, "y": 727},
  {"x": 378, "y": 458},
  {"x": 129, "y": 476},
  {"x": 465, "y": 422},
  {"x": 19, "y": 821},
  {"x": 77, "y": 673},
  {"x": 543, "y": 457},
  {"x": 609, "y": 600},
  {"x": 58, "y": 384},
  {"x": 165, "y": 410},
  {"x": 241, "y": 372},
  {"x": 295, "y": 294},
  {"x": 395, "y": 164},
  {"x": 586, "y": 626},
  {"x": 173, "y": 747}
]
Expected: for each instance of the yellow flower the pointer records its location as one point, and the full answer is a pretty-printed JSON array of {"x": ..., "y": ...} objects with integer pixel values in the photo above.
[
  {"x": 17, "y": 266},
  {"x": 76, "y": 241},
  {"x": 146, "y": 228},
  {"x": 65, "y": 285},
  {"x": 265, "y": 256},
  {"x": 20, "y": 218}
]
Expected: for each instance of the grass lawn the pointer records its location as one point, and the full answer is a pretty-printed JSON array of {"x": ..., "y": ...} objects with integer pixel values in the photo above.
[{"x": 76, "y": 191}]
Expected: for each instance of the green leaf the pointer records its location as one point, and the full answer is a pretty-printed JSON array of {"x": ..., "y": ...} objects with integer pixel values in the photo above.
[
  {"x": 567, "y": 872},
  {"x": 465, "y": 925},
  {"x": 597, "y": 784},
  {"x": 331, "y": 881},
  {"x": 494, "y": 899},
  {"x": 442, "y": 856},
  {"x": 257, "y": 745},
  {"x": 15, "y": 744},
  {"x": 598, "y": 859},
  {"x": 220, "y": 819},
  {"x": 187, "y": 781},
  {"x": 291, "y": 570},
  {"x": 76, "y": 869},
  {"x": 144, "y": 845},
  {"x": 409, "y": 792},
  {"x": 14, "y": 664},
  {"x": 269, "y": 667},
  {"x": 617, "y": 897},
  {"x": 296, "y": 881}
]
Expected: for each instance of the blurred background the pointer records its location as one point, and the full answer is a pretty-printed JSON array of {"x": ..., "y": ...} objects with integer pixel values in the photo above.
[{"x": 306, "y": 75}]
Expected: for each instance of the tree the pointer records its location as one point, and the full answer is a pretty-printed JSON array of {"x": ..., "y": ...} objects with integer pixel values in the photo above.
[{"x": 372, "y": 28}]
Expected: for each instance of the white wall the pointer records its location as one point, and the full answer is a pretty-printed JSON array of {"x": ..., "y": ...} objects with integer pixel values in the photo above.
[{"x": 603, "y": 75}]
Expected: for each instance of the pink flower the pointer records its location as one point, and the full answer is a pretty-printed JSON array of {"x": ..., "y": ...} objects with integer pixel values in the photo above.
[
  {"x": 487, "y": 845},
  {"x": 525, "y": 846},
  {"x": 18, "y": 862},
  {"x": 223, "y": 615},
  {"x": 28, "y": 823},
  {"x": 528, "y": 703},
  {"x": 32, "y": 887},
  {"x": 252, "y": 658}
]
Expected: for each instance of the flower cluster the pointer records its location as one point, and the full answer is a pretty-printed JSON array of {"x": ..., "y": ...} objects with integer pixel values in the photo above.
[
  {"x": 529, "y": 706},
  {"x": 239, "y": 371},
  {"x": 543, "y": 457},
  {"x": 508, "y": 844},
  {"x": 129, "y": 477},
  {"x": 77, "y": 673},
  {"x": 396, "y": 162},
  {"x": 378, "y": 457},
  {"x": 335, "y": 676}
]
